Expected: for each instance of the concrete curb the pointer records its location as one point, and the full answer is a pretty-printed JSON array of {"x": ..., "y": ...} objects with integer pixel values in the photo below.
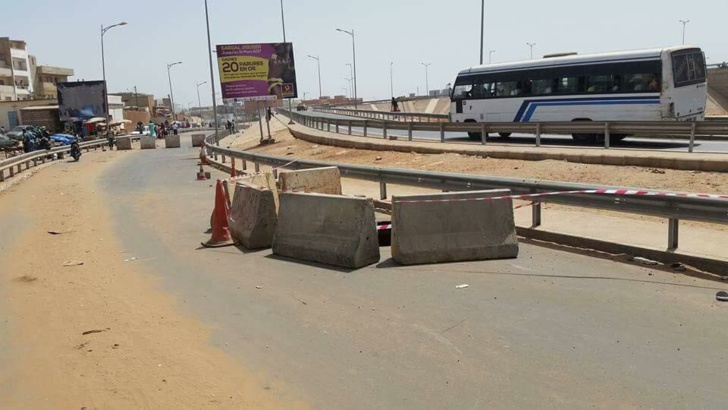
[
  {"x": 667, "y": 160},
  {"x": 713, "y": 266}
]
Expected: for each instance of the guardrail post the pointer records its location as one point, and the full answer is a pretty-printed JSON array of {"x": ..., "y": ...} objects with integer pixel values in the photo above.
[
  {"x": 409, "y": 131},
  {"x": 27, "y": 164},
  {"x": 20, "y": 167},
  {"x": 365, "y": 128},
  {"x": 692, "y": 137},
  {"x": 349, "y": 127},
  {"x": 382, "y": 190},
  {"x": 538, "y": 134},
  {"x": 2, "y": 175},
  {"x": 257, "y": 167},
  {"x": 42, "y": 160},
  {"x": 35, "y": 162},
  {"x": 12, "y": 172},
  {"x": 328, "y": 125},
  {"x": 673, "y": 229},
  {"x": 232, "y": 165},
  {"x": 442, "y": 132},
  {"x": 245, "y": 165},
  {"x": 384, "y": 130},
  {"x": 606, "y": 135},
  {"x": 483, "y": 133},
  {"x": 223, "y": 158},
  {"x": 337, "y": 126},
  {"x": 536, "y": 215}
]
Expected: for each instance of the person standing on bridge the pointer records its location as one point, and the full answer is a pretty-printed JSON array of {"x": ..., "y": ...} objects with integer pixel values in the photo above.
[{"x": 395, "y": 105}]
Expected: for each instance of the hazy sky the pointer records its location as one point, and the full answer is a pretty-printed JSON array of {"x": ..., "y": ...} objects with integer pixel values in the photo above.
[{"x": 407, "y": 32}]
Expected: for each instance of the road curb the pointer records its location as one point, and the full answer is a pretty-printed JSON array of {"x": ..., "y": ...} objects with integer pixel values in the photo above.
[
  {"x": 717, "y": 268},
  {"x": 667, "y": 161}
]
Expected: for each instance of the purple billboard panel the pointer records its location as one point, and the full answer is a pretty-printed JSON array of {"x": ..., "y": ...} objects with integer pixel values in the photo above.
[{"x": 257, "y": 71}]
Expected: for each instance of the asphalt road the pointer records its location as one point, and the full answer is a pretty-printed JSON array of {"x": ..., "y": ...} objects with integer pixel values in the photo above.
[
  {"x": 549, "y": 329},
  {"x": 546, "y": 140}
]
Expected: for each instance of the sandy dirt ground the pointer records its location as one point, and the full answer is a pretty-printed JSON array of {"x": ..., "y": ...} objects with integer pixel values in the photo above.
[{"x": 89, "y": 330}]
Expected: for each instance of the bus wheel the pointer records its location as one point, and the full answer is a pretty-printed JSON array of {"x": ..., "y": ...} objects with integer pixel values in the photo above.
[
  {"x": 586, "y": 138},
  {"x": 475, "y": 136},
  {"x": 504, "y": 134}
]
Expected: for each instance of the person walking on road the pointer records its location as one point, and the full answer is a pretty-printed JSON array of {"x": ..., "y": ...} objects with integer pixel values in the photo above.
[
  {"x": 175, "y": 128},
  {"x": 152, "y": 129}
]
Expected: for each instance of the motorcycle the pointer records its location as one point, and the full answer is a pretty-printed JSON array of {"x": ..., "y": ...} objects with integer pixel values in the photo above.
[{"x": 75, "y": 151}]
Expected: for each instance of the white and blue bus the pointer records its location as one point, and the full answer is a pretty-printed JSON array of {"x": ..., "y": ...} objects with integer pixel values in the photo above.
[{"x": 644, "y": 85}]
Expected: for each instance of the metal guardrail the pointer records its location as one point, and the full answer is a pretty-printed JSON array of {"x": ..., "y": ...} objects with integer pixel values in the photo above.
[
  {"x": 384, "y": 115},
  {"x": 15, "y": 165},
  {"x": 645, "y": 129},
  {"x": 672, "y": 208}
]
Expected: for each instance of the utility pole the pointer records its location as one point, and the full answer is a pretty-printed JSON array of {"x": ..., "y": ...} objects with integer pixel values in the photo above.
[
  {"x": 684, "y": 23},
  {"x": 171, "y": 93},
  {"x": 531, "y": 45},
  {"x": 353, "y": 48},
  {"x": 391, "y": 78},
  {"x": 212, "y": 77},
  {"x": 427, "y": 79},
  {"x": 482, "y": 30}
]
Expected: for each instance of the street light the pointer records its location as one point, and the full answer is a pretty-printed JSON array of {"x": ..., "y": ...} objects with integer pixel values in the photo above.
[
  {"x": 283, "y": 23},
  {"x": 199, "y": 102},
  {"x": 318, "y": 63},
  {"x": 427, "y": 79},
  {"x": 103, "y": 70},
  {"x": 490, "y": 56},
  {"x": 349, "y": 81},
  {"x": 531, "y": 45},
  {"x": 212, "y": 76},
  {"x": 391, "y": 78},
  {"x": 171, "y": 93},
  {"x": 482, "y": 30},
  {"x": 353, "y": 47},
  {"x": 684, "y": 23}
]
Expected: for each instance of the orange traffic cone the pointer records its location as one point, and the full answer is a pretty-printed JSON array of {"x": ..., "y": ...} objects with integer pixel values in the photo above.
[
  {"x": 233, "y": 172},
  {"x": 201, "y": 174},
  {"x": 220, "y": 230}
]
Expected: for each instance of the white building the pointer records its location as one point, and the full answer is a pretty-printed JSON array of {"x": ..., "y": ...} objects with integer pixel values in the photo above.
[{"x": 16, "y": 79}]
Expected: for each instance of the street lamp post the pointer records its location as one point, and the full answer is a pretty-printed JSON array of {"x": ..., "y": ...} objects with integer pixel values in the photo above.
[
  {"x": 353, "y": 48},
  {"x": 427, "y": 79},
  {"x": 531, "y": 45},
  {"x": 283, "y": 24},
  {"x": 482, "y": 30},
  {"x": 391, "y": 78},
  {"x": 171, "y": 93},
  {"x": 103, "y": 70},
  {"x": 684, "y": 23},
  {"x": 318, "y": 63},
  {"x": 199, "y": 102},
  {"x": 490, "y": 56},
  {"x": 212, "y": 76},
  {"x": 348, "y": 80}
]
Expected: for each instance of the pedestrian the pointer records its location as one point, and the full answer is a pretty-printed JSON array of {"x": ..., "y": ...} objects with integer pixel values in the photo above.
[
  {"x": 2, "y": 130},
  {"x": 268, "y": 114},
  {"x": 152, "y": 129},
  {"x": 175, "y": 128}
]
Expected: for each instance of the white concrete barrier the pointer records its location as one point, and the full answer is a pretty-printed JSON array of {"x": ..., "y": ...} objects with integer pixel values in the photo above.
[
  {"x": 453, "y": 231},
  {"x": 197, "y": 139},
  {"x": 334, "y": 230},
  {"x": 172, "y": 141},
  {"x": 123, "y": 143},
  {"x": 148, "y": 142},
  {"x": 319, "y": 180},
  {"x": 253, "y": 215},
  {"x": 265, "y": 180}
]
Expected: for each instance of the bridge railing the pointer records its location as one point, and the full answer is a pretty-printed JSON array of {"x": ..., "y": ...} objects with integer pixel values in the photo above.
[{"x": 16, "y": 164}]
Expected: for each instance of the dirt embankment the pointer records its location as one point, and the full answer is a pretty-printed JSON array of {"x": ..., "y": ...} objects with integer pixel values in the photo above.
[
  {"x": 89, "y": 329},
  {"x": 649, "y": 178}
]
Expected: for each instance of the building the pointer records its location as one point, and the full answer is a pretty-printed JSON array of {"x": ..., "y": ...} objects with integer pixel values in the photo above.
[
  {"x": 16, "y": 81},
  {"x": 46, "y": 78},
  {"x": 11, "y": 111},
  {"x": 21, "y": 78}
]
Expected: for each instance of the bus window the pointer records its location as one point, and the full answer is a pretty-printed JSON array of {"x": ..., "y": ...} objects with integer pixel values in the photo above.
[
  {"x": 506, "y": 89},
  {"x": 639, "y": 82},
  {"x": 688, "y": 68},
  {"x": 599, "y": 83},
  {"x": 462, "y": 91},
  {"x": 569, "y": 85},
  {"x": 482, "y": 90},
  {"x": 543, "y": 87}
]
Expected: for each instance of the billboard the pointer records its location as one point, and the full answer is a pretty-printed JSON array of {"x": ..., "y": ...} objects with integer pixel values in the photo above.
[
  {"x": 257, "y": 71},
  {"x": 81, "y": 100}
]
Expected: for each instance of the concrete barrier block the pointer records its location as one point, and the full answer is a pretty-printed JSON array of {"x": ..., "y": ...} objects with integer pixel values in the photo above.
[
  {"x": 453, "y": 231},
  {"x": 334, "y": 230},
  {"x": 148, "y": 142},
  {"x": 123, "y": 143},
  {"x": 253, "y": 215},
  {"x": 172, "y": 141},
  {"x": 319, "y": 180},
  {"x": 197, "y": 140},
  {"x": 265, "y": 180}
]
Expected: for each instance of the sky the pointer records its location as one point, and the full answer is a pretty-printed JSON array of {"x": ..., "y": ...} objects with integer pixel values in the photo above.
[{"x": 445, "y": 34}]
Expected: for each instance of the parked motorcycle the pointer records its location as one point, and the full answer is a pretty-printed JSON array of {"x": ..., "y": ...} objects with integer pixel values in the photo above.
[{"x": 75, "y": 151}]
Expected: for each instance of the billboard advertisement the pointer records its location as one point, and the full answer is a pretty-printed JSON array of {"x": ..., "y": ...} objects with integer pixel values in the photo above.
[
  {"x": 81, "y": 100},
  {"x": 257, "y": 71}
]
